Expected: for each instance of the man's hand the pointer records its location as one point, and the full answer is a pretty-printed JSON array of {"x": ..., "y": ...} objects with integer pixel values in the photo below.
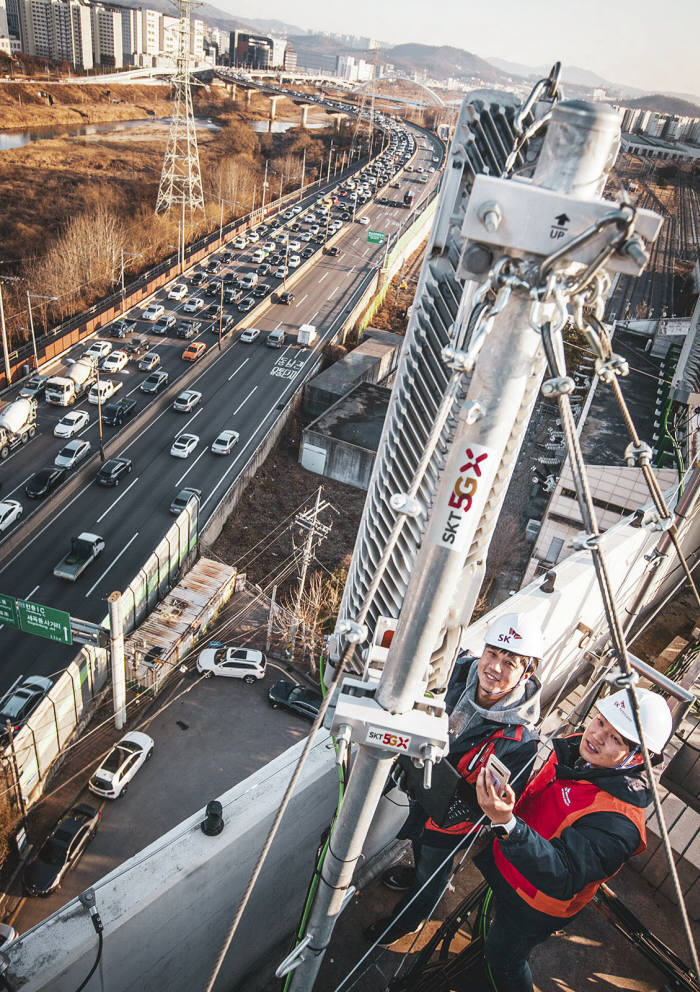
[{"x": 499, "y": 809}]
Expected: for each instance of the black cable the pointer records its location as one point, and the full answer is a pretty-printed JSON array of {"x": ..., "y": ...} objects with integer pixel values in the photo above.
[
  {"x": 97, "y": 961},
  {"x": 87, "y": 899}
]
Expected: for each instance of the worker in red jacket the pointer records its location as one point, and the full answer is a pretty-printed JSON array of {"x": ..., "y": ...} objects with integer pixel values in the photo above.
[{"x": 577, "y": 822}]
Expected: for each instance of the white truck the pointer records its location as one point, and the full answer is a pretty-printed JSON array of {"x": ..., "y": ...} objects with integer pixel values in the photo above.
[
  {"x": 306, "y": 335},
  {"x": 84, "y": 549},
  {"x": 17, "y": 425},
  {"x": 65, "y": 390}
]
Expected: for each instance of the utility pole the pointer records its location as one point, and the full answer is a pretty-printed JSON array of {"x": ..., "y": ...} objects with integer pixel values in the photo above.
[
  {"x": 221, "y": 309},
  {"x": 578, "y": 150},
  {"x": 5, "y": 352},
  {"x": 330, "y": 156},
  {"x": 116, "y": 651},
  {"x": 132, "y": 254},
  {"x": 30, "y": 297},
  {"x": 315, "y": 527},
  {"x": 270, "y": 618},
  {"x": 15, "y": 770},
  {"x": 267, "y": 162},
  {"x": 303, "y": 173},
  {"x": 99, "y": 412}
]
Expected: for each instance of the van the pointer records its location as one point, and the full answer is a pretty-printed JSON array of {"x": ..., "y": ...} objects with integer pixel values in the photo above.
[
  {"x": 249, "y": 280},
  {"x": 275, "y": 339}
]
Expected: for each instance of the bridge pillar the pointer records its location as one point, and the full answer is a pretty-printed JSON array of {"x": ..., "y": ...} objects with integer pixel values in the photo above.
[
  {"x": 304, "y": 115},
  {"x": 248, "y": 98},
  {"x": 337, "y": 122},
  {"x": 273, "y": 111},
  {"x": 232, "y": 91}
]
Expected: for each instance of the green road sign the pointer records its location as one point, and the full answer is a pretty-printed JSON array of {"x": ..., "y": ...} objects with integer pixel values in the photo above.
[
  {"x": 376, "y": 237},
  {"x": 44, "y": 621},
  {"x": 8, "y": 611}
]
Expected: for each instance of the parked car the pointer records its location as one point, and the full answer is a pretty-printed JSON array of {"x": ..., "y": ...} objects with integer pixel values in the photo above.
[
  {"x": 184, "y": 445},
  {"x": 153, "y": 311},
  {"x": 291, "y": 696},
  {"x": 116, "y": 361},
  {"x": 111, "y": 779},
  {"x": 187, "y": 400},
  {"x": 178, "y": 291},
  {"x": 155, "y": 382},
  {"x": 71, "y": 423},
  {"x": 194, "y": 351},
  {"x": 61, "y": 850},
  {"x": 10, "y": 511},
  {"x": 72, "y": 453},
  {"x": 19, "y": 702},
  {"x": 231, "y": 662},
  {"x": 183, "y": 498},
  {"x": 44, "y": 482},
  {"x": 117, "y": 413},
  {"x": 225, "y": 442},
  {"x": 113, "y": 470}
]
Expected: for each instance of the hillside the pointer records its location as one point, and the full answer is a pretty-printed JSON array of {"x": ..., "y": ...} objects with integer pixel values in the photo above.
[{"x": 442, "y": 61}]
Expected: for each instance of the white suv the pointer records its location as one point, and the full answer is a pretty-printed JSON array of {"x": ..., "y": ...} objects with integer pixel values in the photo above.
[{"x": 234, "y": 663}]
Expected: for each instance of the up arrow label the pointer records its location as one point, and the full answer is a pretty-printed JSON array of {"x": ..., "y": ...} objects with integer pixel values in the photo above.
[{"x": 562, "y": 219}]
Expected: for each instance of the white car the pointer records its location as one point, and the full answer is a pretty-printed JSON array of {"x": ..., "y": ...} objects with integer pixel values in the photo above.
[
  {"x": 250, "y": 334},
  {"x": 297, "y": 209},
  {"x": 280, "y": 272},
  {"x": 253, "y": 237},
  {"x": 103, "y": 391},
  {"x": 234, "y": 663},
  {"x": 364, "y": 220},
  {"x": 193, "y": 305},
  {"x": 288, "y": 214},
  {"x": 187, "y": 400},
  {"x": 178, "y": 291},
  {"x": 112, "y": 778},
  {"x": 270, "y": 246},
  {"x": 306, "y": 236},
  {"x": 314, "y": 230},
  {"x": 294, "y": 246},
  {"x": 184, "y": 445},
  {"x": 72, "y": 453},
  {"x": 310, "y": 218},
  {"x": 99, "y": 349},
  {"x": 10, "y": 510},
  {"x": 225, "y": 442},
  {"x": 153, "y": 311},
  {"x": 240, "y": 242},
  {"x": 115, "y": 362},
  {"x": 294, "y": 261},
  {"x": 71, "y": 423}
]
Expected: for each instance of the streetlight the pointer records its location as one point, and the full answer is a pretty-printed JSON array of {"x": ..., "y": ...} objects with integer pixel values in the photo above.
[
  {"x": 231, "y": 203},
  {"x": 30, "y": 297},
  {"x": 3, "y": 331},
  {"x": 131, "y": 254}
]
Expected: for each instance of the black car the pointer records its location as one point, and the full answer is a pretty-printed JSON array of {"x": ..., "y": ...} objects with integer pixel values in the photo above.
[
  {"x": 154, "y": 382},
  {"x": 188, "y": 328},
  {"x": 20, "y": 702},
  {"x": 247, "y": 304},
  {"x": 115, "y": 414},
  {"x": 227, "y": 257},
  {"x": 285, "y": 298},
  {"x": 289, "y": 695},
  {"x": 212, "y": 312},
  {"x": 44, "y": 482},
  {"x": 197, "y": 279},
  {"x": 230, "y": 279},
  {"x": 61, "y": 850},
  {"x": 227, "y": 321},
  {"x": 262, "y": 289},
  {"x": 136, "y": 347},
  {"x": 112, "y": 471},
  {"x": 334, "y": 251},
  {"x": 214, "y": 288},
  {"x": 214, "y": 265},
  {"x": 276, "y": 259},
  {"x": 264, "y": 269},
  {"x": 183, "y": 498},
  {"x": 307, "y": 252}
]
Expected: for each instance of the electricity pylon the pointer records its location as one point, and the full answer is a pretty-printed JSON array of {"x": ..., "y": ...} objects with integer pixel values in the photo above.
[{"x": 181, "y": 179}]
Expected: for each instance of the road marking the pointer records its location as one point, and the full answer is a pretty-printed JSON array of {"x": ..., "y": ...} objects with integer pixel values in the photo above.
[
  {"x": 334, "y": 290},
  {"x": 146, "y": 428},
  {"x": 111, "y": 564},
  {"x": 51, "y": 523},
  {"x": 30, "y": 594},
  {"x": 299, "y": 303},
  {"x": 244, "y": 401},
  {"x": 350, "y": 271},
  {"x": 120, "y": 496},
  {"x": 19, "y": 486},
  {"x": 356, "y": 241},
  {"x": 364, "y": 253},
  {"x": 184, "y": 428},
  {"x": 189, "y": 469},
  {"x": 323, "y": 276},
  {"x": 236, "y": 371},
  {"x": 312, "y": 318}
]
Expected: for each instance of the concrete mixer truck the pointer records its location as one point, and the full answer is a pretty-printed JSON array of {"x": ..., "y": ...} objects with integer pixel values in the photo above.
[{"x": 17, "y": 425}]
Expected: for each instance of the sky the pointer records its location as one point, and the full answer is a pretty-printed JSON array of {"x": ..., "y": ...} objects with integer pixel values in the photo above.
[{"x": 642, "y": 43}]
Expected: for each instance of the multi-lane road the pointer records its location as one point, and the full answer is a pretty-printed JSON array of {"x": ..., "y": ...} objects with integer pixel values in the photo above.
[{"x": 244, "y": 387}]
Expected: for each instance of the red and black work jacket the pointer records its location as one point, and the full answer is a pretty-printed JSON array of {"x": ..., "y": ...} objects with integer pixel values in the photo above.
[{"x": 576, "y": 828}]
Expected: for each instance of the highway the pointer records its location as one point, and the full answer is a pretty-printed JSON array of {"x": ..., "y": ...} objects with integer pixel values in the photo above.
[{"x": 244, "y": 387}]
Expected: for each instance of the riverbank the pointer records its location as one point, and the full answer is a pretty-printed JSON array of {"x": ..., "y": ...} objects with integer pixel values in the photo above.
[{"x": 42, "y": 104}]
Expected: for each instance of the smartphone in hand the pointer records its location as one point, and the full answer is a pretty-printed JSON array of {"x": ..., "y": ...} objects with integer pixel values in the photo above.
[{"x": 498, "y": 772}]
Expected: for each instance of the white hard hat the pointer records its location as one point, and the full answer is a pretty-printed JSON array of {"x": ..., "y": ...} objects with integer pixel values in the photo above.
[
  {"x": 654, "y": 714},
  {"x": 518, "y": 633}
]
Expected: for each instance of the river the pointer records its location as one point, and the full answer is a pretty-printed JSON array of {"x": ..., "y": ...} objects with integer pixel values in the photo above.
[{"x": 25, "y": 135}]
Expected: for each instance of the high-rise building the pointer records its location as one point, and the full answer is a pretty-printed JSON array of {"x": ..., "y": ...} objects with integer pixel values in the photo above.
[
  {"x": 107, "y": 36},
  {"x": 279, "y": 46},
  {"x": 150, "y": 33},
  {"x": 132, "y": 35},
  {"x": 13, "y": 23},
  {"x": 290, "y": 60}
]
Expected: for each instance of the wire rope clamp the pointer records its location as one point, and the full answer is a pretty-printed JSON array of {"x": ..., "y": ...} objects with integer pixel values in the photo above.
[
  {"x": 342, "y": 739},
  {"x": 559, "y": 386},
  {"x": 294, "y": 958},
  {"x": 608, "y": 369},
  {"x": 654, "y": 522},
  {"x": 622, "y": 680},
  {"x": 408, "y": 505},
  {"x": 352, "y": 632},
  {"x": 457, "y": 360},
  {"x": 472, "y": 412},
  {"x": 638, "y": 455},
  {"x": 585, "y": 542}
]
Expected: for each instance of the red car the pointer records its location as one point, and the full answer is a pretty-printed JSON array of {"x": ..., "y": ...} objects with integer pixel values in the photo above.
[{"x": 194, "y": 351}]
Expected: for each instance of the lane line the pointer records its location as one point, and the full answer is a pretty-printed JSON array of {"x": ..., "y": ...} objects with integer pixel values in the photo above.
[
  {"x": 299, "y": 303},
  {"x": 120, "y": 496},
  {"x": 236, "y": 371},
  {"x": 324, "y": 276},
  {"x": 19, "y": 486},
  {"x": 189, "y": 469},
  {"x": 244, "y": 401},
  {"x": 111, "y": 564},
  {"x": 185, "y": 426},
  {"x": 334, "y": 290},
  {"x": 313, "y": 317},
  {"x": 30, "y": 594}
]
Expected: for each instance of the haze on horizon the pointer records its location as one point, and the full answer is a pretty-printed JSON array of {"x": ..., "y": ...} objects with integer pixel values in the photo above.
[{"x": 639, "y": 43}]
